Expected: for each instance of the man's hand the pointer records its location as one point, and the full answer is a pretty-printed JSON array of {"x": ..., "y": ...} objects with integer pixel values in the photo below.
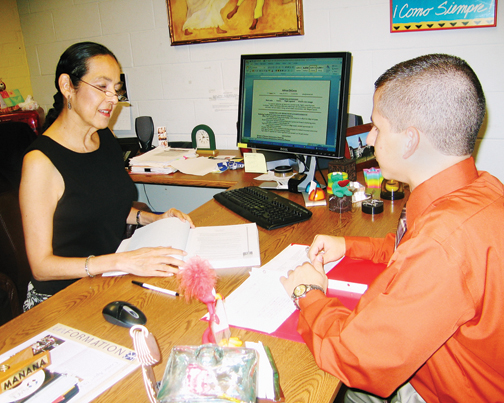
[
  {"x": 305, "y": 274},
  {"x": 332, "y": 248}
]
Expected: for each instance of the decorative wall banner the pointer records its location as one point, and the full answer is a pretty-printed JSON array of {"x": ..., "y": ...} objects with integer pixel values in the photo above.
[
  {"x": 426, "y": 15},
  {"x": 196, "y": 21}
]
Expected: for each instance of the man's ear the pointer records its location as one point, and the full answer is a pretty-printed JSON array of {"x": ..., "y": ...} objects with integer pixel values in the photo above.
[{"x": 412, "y": 141}]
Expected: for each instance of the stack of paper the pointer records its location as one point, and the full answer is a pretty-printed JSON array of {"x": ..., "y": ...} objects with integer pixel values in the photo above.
[
  {"x": 260, "y": 302},
  {"x": 160, "y": 160}
]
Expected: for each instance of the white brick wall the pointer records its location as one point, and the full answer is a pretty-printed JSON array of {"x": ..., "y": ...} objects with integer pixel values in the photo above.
[{"x": 174, "y": 84}]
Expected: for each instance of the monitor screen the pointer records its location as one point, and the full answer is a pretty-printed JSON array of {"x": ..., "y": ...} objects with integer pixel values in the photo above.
[{"x": 295, "y": 103}]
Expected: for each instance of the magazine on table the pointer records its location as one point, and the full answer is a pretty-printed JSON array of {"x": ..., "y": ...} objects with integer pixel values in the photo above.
[{"x": 63, "y": 363}]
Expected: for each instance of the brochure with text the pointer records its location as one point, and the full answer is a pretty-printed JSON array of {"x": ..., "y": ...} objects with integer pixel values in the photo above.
[{"x": 81, "y": 367}]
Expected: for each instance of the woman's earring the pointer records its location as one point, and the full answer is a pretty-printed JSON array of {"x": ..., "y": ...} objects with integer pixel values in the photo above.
[{"x": 69, "y": 105}]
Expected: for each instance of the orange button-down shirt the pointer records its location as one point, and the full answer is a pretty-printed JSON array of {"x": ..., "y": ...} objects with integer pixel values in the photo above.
[{"x": 435, "y": 315}]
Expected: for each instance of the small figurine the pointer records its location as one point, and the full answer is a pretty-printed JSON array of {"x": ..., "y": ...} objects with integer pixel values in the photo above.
[
  {"x": 334, "y": 177},
  {"x": 341, "y": 198},
  {"x": 315, "y": 192}
]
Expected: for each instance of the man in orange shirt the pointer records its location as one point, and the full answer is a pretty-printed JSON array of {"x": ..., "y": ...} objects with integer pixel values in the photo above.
[{"x": 430, "y": 328}]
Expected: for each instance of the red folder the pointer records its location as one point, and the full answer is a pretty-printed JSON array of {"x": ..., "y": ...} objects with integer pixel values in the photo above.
[{"x": 355, "y": 271}]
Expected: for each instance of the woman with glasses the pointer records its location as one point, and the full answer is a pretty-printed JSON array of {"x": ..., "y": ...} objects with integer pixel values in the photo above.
[{"x": 75, "y": 195}]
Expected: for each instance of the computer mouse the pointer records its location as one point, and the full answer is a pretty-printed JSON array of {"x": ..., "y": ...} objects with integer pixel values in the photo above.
[{"x": 123, "y": 314}]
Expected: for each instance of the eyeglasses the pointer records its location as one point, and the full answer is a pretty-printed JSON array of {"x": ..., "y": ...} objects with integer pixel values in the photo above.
[{"x": 120, "y": 95}]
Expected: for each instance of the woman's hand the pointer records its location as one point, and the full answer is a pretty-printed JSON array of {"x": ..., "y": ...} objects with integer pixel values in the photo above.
[
  {"x": 173, "y": 212},
  {"x": 151, "y": 262}
]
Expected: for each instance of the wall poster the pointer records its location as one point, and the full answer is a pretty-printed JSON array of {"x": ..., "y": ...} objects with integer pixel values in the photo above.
[
  {"x": 426, "y": 15},
  {"x": 196, "y": 21}
]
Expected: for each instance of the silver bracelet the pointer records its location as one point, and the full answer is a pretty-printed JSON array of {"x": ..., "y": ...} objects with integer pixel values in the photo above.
[
  {"x": 86, "y": 266},
  {"x": 138, "y": 218}
]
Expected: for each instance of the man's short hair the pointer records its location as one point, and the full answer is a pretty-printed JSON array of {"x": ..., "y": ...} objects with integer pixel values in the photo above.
[{"x": 438, "y": 94}]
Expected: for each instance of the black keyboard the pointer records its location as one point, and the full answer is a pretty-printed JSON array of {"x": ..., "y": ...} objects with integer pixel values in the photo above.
[{"x": 263, "y": 207}]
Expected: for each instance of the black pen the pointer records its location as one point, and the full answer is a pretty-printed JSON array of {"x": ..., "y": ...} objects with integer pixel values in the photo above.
[{"x": 159, "y": 289}]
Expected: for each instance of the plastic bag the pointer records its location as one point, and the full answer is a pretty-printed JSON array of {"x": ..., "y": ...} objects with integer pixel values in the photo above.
[{"x": 209, "y": 373}]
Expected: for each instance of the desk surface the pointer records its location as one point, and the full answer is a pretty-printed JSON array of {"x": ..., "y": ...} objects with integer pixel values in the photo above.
[{"x": 176, "y": 322}]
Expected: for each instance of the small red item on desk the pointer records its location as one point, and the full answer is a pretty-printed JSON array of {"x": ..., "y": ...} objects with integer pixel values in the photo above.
[{"x": 316, "y": 194}]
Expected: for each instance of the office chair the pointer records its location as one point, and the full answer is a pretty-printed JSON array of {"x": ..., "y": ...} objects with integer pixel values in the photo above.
[{"x": 15, "y": 271}]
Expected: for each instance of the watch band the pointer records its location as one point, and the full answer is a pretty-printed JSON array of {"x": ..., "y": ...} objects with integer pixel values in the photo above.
[{"x": 301, "y": 290}]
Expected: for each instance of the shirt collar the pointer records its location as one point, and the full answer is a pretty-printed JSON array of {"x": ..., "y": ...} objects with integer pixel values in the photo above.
[{"x": 441, "y": 184}]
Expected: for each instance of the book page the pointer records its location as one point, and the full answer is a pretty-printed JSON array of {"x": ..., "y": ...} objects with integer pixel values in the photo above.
[
  {"x": 226, "y": 246},
  {"x": 168, "y": 232}
]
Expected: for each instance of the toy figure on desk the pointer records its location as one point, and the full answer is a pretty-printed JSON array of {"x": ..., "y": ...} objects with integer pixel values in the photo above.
[
  {"x": 341, "y": 196},
  {"x": 315, "y": 192},
  {"x": 198, "y": 280}
]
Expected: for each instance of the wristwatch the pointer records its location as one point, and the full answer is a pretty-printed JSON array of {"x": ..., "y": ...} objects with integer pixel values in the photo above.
[{"x": 301, "y": 290}]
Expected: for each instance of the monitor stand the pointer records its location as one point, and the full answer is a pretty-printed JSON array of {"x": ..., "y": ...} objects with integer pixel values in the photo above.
[
  {"x": 310, "y": 170},
  {"x": 311, "y": 164}
]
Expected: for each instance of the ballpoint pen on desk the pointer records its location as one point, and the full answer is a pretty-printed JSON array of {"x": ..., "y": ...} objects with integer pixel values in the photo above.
[{"x": 154, "y": 288}]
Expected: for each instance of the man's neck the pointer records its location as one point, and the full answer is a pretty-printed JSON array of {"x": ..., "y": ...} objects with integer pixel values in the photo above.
[{"x": 432, "y": 167}]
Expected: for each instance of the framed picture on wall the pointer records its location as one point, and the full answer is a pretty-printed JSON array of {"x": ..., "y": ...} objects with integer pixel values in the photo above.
[
  {"x": 428, "y": 15},
  {"x": 197, "y": 21}
]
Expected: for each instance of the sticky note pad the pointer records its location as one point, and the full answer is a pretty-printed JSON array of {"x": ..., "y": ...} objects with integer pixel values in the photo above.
[{"x": 255, "y": 163}]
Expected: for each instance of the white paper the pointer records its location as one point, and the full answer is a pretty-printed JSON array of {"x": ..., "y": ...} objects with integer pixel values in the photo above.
[
  {"x": 195, "y": 166},
  {"x": 348, "y": 286},
  {"x": 281, "y": 183},
  {"x": 162, "y": 157},
  {"x": 291, "y": 257},
  {"x": 260, "y": 302}
]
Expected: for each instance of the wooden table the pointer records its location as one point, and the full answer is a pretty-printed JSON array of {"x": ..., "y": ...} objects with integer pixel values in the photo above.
[{"x": 175, "y": 322}]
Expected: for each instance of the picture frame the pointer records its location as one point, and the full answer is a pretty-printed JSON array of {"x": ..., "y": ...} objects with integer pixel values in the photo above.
[
  {"x": 201, "y": 21},
  {"x": 429, "y": 15},
  {"x": 358, "y": 149}
]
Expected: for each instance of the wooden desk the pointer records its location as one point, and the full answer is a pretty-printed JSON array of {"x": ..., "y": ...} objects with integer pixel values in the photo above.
[{"x": 176, "y": 322}]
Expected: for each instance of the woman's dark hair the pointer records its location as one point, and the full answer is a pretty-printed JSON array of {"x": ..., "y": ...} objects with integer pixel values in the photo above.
[{"x": 74, "y": 62}]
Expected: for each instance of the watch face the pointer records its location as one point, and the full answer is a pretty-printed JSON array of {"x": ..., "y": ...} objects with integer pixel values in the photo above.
[
  {"x": 202, "y": 139},
  {"x": 299, "y": 290}
]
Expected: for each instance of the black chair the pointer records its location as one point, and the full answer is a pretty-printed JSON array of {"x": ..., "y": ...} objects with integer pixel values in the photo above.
[
  {"x": 15, "y": 271},
  {"x": 15, "y": 137}
]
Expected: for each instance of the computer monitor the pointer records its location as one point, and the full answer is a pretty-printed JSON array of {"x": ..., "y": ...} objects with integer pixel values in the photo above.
[{"x": 295, "y": 103}]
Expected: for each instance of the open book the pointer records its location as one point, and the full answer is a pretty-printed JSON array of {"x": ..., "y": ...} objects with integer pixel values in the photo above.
[{"x": 223, "y": 246}]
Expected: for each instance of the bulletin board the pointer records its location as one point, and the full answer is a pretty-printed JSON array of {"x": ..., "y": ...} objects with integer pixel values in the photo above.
[{"x": 427, "y": 15}]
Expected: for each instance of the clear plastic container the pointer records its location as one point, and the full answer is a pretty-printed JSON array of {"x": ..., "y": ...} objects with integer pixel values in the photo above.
[{"x": 209, "y": 373}]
